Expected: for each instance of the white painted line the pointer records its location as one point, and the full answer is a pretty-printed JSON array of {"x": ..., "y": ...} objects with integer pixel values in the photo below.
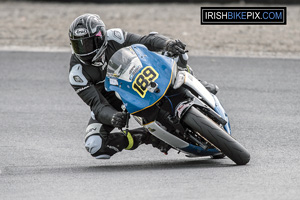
[
  {"x": 192, "y": 53},
  {"x": 35, "y": 49}
]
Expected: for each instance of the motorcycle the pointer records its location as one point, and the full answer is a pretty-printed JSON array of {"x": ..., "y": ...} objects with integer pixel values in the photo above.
[{"x": 172, "y": 104}]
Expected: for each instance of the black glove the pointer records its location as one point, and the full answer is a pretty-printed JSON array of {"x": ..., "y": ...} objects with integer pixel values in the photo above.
[
  {"x": 176, "y": 47},
  {"x": 118, "y": 120}
]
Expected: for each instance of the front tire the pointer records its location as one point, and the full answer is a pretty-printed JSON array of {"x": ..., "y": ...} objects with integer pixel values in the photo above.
[{"x": 217, "y": 136}]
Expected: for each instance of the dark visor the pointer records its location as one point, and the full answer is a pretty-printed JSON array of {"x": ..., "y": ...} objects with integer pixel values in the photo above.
[{"x": 86, "y": 45}]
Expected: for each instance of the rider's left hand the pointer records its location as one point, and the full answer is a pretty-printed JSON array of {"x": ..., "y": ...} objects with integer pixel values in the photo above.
[{"x": 119, "y": 119}]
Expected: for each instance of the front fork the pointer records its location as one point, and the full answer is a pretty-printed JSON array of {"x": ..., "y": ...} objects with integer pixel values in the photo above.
[{"x": 184, "y": 106}]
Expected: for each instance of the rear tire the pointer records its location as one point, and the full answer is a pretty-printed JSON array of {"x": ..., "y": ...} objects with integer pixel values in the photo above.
[{"x": 217, "y": 136}]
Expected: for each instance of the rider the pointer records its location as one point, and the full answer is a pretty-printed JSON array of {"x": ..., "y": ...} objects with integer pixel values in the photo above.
[{"x": 92, "y": 47}]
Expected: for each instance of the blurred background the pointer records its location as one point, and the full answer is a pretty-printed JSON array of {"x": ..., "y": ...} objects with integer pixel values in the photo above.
[
  {"x": 43, "y": 122},
  {"x": 176, "y": 1},
  {"x": 43, "y": 25}
]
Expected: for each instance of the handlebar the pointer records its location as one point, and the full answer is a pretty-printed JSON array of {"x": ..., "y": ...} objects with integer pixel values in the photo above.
[{"x": 184, "y": 56}]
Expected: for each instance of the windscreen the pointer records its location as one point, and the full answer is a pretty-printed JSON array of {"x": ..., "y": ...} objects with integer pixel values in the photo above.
[{"x": 124, "y": 64}]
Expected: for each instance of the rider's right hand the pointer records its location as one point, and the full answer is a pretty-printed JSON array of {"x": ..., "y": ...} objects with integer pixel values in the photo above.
[
  {"x": 118, "y": 119},
  {"x": 176, "y": 47}
]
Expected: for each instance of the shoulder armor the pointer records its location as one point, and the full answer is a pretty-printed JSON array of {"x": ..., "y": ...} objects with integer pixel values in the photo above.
[
  {"x": 116, "y": 34},
  {"x": 76, "y": 76}
]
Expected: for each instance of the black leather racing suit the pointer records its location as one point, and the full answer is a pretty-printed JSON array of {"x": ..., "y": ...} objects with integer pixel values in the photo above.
[{"x": 88, "y": 83}]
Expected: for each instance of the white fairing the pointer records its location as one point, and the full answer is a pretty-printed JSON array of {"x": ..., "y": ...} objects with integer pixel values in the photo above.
[
  {"x": 156, "y": 130},
  {"x": 193, "y": 83}
]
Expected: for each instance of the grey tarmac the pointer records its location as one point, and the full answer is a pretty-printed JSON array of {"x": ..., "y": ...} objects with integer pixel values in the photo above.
[{"x": 42, "y": 153}]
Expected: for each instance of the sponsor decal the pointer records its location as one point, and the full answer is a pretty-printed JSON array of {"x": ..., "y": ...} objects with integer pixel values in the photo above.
[
  {"x": 80, "y": 32},
  {"x": 113, "y": 81},
  {"x": 113, "y": 148},
  {"x": 134, "y": 70},
  {"x": 77, "y": 79},
  {"x": 180, "y": 109},
  {"x": 99, "y": 34},
  {"x": 81, "y": 89},
  {"x": 118, "y": 35}
]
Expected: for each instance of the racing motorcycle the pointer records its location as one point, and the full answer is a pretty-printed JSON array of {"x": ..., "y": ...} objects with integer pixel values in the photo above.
[{"x": 172, "y": 104}]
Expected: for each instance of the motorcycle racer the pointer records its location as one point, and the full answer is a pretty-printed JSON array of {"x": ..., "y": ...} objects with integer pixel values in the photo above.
[{"x": 92, "y": 47}]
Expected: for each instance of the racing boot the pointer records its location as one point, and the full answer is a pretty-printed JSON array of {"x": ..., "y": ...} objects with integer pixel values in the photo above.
[
  {"x": 140, "y": 136},
  {"x": 212, "y": 88},
  {"x": 157, "y": 143}
]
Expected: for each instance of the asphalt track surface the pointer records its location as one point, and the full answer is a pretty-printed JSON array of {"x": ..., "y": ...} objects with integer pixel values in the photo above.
[{"x": 42, "y": 153}]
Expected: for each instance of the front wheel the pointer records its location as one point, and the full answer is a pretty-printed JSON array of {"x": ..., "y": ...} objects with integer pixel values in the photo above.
[{"x": 217, "y": 136}]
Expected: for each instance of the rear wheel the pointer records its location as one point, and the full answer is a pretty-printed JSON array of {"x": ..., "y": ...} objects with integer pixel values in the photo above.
[{"x": 217, "y": 136}]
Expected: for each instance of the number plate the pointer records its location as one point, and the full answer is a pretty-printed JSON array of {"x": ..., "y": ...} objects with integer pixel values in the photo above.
[{"x": 143, "y": 79}]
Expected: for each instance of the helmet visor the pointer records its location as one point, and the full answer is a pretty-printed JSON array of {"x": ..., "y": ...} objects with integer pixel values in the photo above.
[{"x": 86, "y": 46}]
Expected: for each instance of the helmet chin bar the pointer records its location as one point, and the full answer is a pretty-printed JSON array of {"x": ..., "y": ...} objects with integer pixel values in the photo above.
[
  {"x": 100, "y": 53},
  {"x": 98, "y": 60}
]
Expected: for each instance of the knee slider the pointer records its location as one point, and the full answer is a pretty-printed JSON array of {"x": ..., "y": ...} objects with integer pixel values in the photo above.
[
  {"x": 93, "y": 144},
  {"x": 93, "y": 141}
]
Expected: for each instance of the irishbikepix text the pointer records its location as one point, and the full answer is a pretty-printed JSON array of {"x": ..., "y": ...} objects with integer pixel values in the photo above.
[{"x": 248, "y": 15}]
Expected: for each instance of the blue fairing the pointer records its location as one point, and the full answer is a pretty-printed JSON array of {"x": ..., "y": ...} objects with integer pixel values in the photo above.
[
  {"x": 130, "y": 73},
  {"x": 220, "y": 110},
  {"x": 197, "y": 150},
  {"x": 131, "y": 99}
]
